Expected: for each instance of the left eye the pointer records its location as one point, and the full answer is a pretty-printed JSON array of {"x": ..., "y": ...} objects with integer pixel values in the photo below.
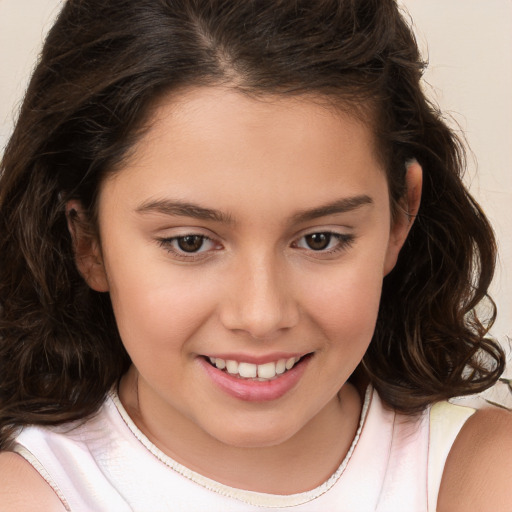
[
  {"x": 190, "y": 244},
  {"x": 323, "y": 241}
]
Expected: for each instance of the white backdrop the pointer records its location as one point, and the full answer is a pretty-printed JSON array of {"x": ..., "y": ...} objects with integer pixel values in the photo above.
[{"x": 469, "y": 46}]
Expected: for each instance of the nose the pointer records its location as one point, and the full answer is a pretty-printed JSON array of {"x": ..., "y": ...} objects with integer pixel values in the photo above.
[{"x": 259, "y": 299}]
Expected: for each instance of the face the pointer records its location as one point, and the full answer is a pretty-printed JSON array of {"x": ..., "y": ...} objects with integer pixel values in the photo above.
[{"x": 243, "y": 245}]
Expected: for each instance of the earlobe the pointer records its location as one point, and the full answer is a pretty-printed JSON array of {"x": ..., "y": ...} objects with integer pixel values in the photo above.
[
  {"x": 406, "y": 217},
  {"x": 86, "y": 247}
]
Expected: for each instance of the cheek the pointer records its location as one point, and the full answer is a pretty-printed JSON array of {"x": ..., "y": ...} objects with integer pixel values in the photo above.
[
  {"x": 348, "y": 308},
  {"x": 347, "y": 302},
  {"x": 158, "y": 306}
]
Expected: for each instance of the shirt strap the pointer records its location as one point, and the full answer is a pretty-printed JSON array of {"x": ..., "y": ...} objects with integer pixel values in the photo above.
[{"x": 446, "y": 421}]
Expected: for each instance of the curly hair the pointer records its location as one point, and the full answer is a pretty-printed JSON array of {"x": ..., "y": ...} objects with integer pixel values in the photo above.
[{"x": 104, "y": 65}]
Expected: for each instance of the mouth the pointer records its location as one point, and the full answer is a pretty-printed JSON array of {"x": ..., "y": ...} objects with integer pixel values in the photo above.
[
  {"x": 265, "y": 372},
  {"x": 256, "y": 380}
]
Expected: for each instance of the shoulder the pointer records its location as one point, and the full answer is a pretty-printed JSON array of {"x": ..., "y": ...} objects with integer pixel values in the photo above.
[
  {"x": 478, "y": 471},
  {"x": 23, "y": 489}
]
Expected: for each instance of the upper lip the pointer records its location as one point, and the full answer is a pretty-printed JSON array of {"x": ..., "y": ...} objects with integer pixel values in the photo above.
[{"x": 255, "y": 359}]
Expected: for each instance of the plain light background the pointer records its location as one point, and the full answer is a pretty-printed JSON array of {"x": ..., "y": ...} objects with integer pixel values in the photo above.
[{"x": 468, "y": 44}]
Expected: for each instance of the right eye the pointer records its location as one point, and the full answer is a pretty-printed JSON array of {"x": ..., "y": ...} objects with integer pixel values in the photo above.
[
  {"x": 318, "y": 241},
  {"x": 190, "y": 243},
  {"x": 188, "y": 246}
]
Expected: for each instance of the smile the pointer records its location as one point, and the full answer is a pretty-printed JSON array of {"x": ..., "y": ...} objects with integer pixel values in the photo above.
[
  {"x": 257, "y": 380},
  {"x": 260, "y": 372}
]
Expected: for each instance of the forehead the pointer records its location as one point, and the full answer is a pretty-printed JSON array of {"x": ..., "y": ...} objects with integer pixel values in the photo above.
[
  {"x": 225, "y": 107},
  {"x": 219, "y": 141}
]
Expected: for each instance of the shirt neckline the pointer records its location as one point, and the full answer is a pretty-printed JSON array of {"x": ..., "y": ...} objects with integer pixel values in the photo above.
[{"x": 249, "y": 497}]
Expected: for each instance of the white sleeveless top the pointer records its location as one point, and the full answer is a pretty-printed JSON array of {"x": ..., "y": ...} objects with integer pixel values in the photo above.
[{"x": 394, "y": 464}]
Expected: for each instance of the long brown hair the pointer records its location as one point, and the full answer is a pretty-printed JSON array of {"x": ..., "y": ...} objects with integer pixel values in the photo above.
[{"x": 104, "y": 64}]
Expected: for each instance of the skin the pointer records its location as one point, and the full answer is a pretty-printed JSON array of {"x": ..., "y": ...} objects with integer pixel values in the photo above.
[
  {"x": 23, "y": 489},
  {"x": 255, "y": 290},
  {"x": 477, "y": 472}
]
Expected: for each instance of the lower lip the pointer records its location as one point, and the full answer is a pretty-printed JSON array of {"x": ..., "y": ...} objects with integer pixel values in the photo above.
[{"x": 253, "y": 390}]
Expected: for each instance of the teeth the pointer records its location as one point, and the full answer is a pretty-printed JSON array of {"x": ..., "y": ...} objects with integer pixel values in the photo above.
[
  {"x": 267, "y": 370},
  {"x": 280, "y": 366},
  {"x": 260, "y": 372},
  {"x": 247, "y": 370},
  {"x": 232, "y": 367},
  {"x": 289, "y": 363}
]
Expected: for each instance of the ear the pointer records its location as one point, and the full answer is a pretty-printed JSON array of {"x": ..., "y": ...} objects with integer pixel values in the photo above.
[
  {"x": 86, "y": 247},
  {"x": 406, "y": 215}
]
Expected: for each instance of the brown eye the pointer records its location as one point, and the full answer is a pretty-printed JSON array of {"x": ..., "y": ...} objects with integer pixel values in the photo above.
[
  {"x": 318, "y": 241},
  {"x": 189, "y": 247},
  {"x": 325, "y": 244},
  {"x": 190, "y": 243}
]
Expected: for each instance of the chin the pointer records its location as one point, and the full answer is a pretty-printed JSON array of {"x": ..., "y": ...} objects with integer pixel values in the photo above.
[{"x": 253, "y": 436}]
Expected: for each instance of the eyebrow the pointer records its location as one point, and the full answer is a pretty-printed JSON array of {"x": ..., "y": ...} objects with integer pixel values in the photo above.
[
  {"x": 344, "y": 205},
  {"x": 186, "y": 209}
]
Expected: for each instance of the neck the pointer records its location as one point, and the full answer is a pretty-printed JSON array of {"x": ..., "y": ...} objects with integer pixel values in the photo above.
[{"x": 298, "y": 464}]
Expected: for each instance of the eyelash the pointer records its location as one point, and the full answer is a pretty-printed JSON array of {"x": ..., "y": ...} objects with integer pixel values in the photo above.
[
  {"x": 168, "y": 245},
  {"x": 345, "y": 241}
]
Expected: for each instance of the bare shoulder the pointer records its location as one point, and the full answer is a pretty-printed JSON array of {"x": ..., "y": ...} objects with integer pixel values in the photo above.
[
  {"x": 478, "y": 471},
  {"x": 23, "y": 489}
]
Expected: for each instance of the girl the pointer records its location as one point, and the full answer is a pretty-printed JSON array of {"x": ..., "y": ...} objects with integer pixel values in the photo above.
[{"x": 239, "y": 269}]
